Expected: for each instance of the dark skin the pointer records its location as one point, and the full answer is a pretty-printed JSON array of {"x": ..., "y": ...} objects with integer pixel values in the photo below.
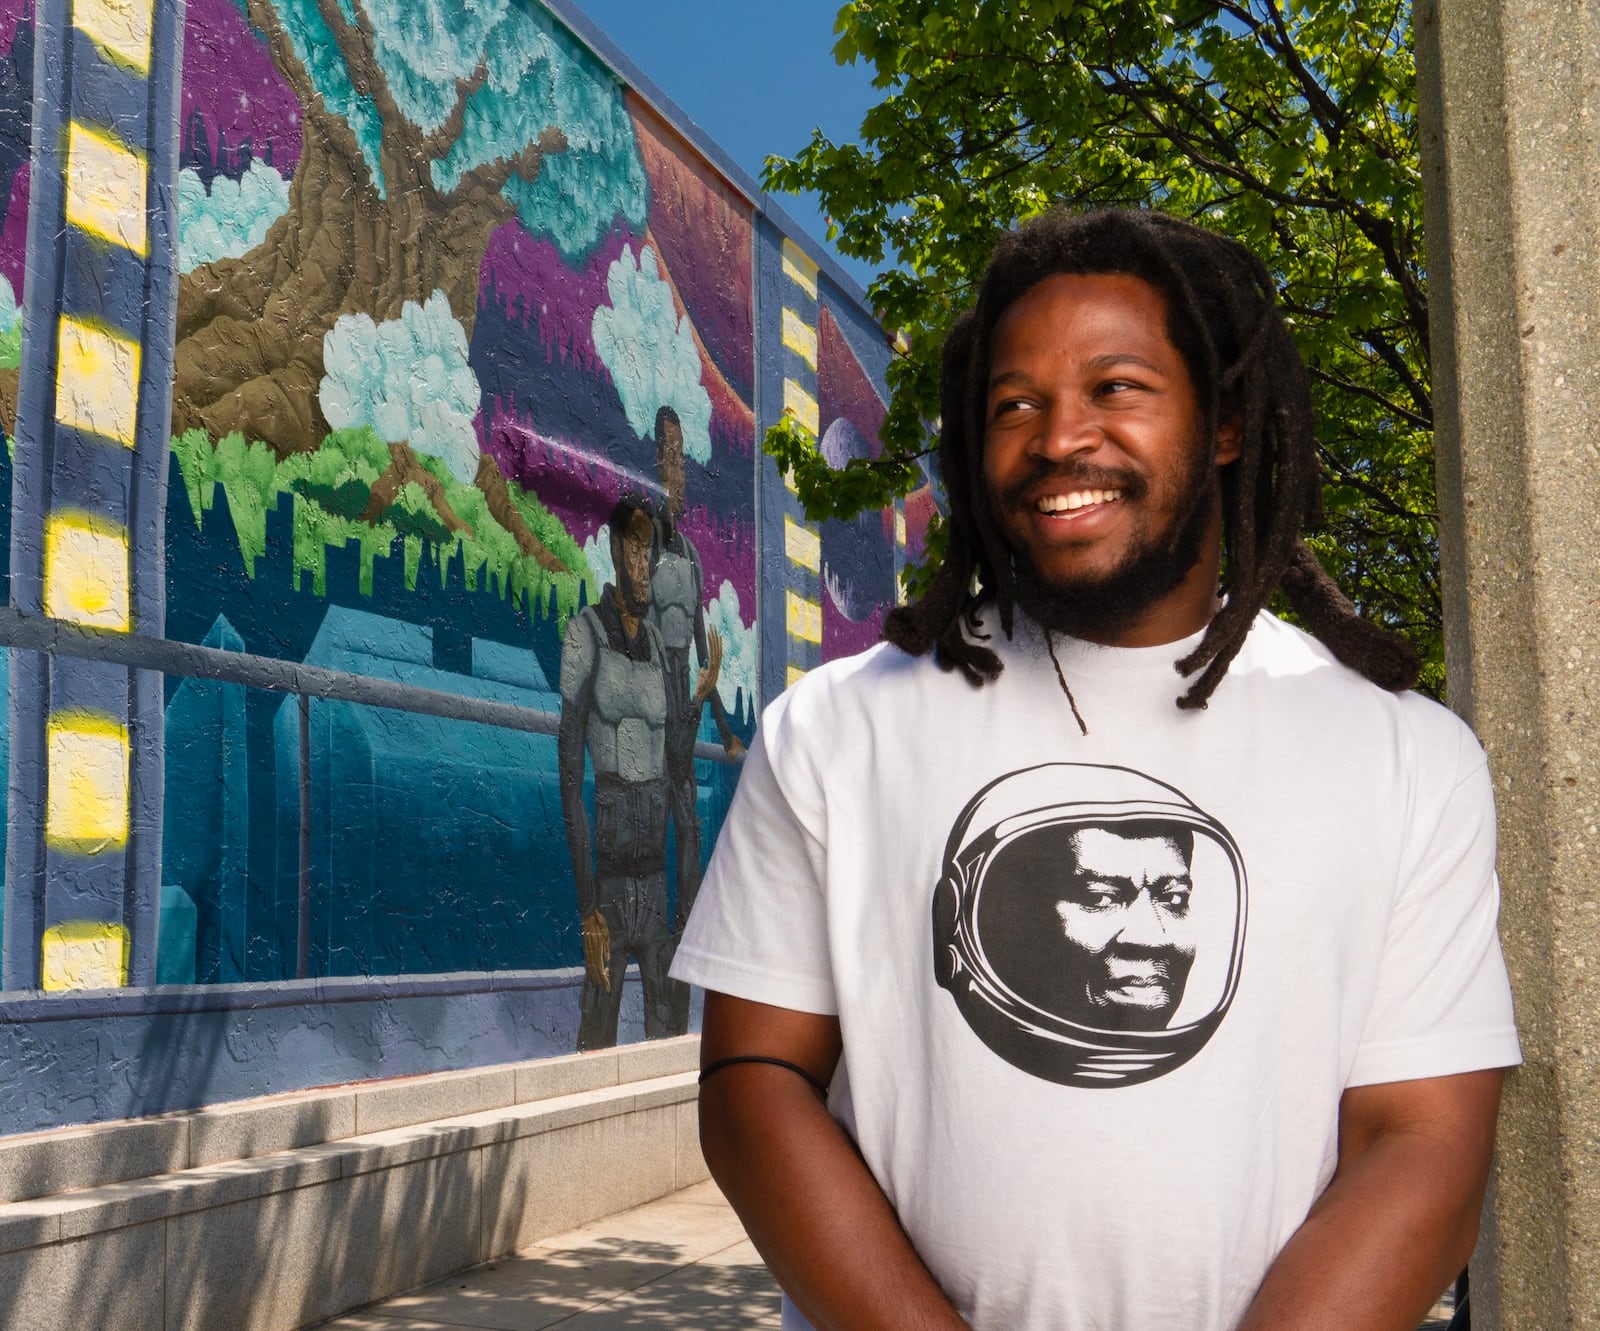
[{"x": 1083, "y": 372}]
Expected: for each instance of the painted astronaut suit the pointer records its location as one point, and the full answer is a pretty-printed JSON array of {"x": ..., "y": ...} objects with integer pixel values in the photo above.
[{"x": 616, "y": 705}]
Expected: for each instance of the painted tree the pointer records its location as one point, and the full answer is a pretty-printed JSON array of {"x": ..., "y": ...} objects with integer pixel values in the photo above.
[
  {"x": 427, "y": 124},
  {"x": 1290, "y": 124}
]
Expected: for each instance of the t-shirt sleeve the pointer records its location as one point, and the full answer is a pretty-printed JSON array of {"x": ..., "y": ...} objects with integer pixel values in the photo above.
[
  {"x": 1443, "y": 1000},
  {"x": 759, "y": 927}
]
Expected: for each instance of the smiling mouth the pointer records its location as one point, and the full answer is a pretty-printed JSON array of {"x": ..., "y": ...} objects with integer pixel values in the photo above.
[{"x": 1075, "y": 503}]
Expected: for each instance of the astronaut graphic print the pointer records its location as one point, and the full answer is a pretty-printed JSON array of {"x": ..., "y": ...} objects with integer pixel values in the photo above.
[{"x": 1089, "y": 923}]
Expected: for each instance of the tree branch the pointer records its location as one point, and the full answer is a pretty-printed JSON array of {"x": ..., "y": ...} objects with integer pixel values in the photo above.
[
  {"x": 1346, "y": 385},
  {"x": 264, "y": 19},
  {"x": 358, "y": 48},
  {"x": 437, "y": 144},
  {"x": 491, "y": 177},
  {"x": 1327, "y": 112},
  {"x": 1389, "y": 354},
  {"x": 1347, "y": 475}
]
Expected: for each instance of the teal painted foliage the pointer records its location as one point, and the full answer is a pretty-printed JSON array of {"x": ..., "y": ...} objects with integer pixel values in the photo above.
[{"x": 530, "y": 75}]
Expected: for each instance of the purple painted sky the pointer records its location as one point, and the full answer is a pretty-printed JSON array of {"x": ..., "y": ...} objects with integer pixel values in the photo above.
[{"x": 229, "y": 81}]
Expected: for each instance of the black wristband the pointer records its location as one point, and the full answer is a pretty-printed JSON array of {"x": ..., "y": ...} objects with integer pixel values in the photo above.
[{"x": 762, "y": 1058}]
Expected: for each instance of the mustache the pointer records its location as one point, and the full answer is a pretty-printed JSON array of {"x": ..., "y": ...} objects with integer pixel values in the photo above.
[
  {"x": 1072, "y": 476},
  {"x": 1159, "y": 956}
]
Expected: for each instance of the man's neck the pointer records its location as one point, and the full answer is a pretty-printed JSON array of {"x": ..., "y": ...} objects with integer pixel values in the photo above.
[{"x": 630, "y": 621}]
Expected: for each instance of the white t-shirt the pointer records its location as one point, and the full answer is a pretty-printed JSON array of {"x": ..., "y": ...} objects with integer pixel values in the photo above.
[{"x": 1100, "y": 994}]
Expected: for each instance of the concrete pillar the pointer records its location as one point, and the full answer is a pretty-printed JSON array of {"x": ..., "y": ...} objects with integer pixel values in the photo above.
[{"x": 1510, "y": 108}]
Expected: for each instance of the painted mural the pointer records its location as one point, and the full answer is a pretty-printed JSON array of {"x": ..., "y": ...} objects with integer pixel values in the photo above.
[{"x": 464, "y": 370}]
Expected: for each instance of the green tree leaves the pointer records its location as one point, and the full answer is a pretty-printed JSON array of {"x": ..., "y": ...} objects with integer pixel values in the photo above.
[{"x": 1289, "y": 124}]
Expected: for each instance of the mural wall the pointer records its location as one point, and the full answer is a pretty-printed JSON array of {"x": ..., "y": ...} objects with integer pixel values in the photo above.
[{"x": 468, "y": 355}]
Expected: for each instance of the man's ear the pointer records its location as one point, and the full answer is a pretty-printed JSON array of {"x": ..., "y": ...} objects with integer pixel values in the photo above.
[{"x": 1230, "y": 440}]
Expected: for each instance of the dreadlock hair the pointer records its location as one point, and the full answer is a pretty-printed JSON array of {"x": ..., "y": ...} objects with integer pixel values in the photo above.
[{"x": 1223, "y": 319}]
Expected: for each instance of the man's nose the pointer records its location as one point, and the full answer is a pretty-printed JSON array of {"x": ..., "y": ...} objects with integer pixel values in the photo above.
[
  {"x": 1069, "y": 426},
  {"x": 1142, "y": 925}
]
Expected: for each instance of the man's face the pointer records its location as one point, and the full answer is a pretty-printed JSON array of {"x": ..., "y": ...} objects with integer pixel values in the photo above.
[
  {"x": 1096, "y": 464},
  {"x": 1123, "y": 909},
  {"x": 633, "y": 568},
  {"x": 669, "y": 460}
]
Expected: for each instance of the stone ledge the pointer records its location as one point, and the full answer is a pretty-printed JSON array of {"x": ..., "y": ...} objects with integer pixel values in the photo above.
[
  {"x": 43, "y": 1164},
  {"x": 36, "y": 1222}
]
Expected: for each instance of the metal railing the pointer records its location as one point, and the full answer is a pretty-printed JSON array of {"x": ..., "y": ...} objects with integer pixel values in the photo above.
[{"x": 39, "y": 633}]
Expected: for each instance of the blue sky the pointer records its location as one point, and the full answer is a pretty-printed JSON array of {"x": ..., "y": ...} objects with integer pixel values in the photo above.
[{"x": 756, "y": 75}]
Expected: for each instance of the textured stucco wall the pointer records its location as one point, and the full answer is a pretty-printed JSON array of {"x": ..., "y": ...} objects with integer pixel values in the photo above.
[{"x": 1512, "y": 176}]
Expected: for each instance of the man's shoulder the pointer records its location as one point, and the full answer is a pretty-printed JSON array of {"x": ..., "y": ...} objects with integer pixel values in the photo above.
[
  {"x": 866, "y": 677},
  {"x": 584, "y": 631},
  {"x": 848, "y": 696},
  {"x": 1303, "y": 671}
]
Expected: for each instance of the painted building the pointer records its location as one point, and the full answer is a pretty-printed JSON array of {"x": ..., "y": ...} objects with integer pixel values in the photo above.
[{"x": 333, "y": 340}]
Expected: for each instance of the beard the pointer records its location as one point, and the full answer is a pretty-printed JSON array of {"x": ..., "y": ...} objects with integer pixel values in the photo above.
[{"x": 1102, "y": 605}]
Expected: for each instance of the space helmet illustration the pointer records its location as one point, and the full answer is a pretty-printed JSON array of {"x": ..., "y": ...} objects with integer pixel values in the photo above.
[{"x": 1004, "y": 950}]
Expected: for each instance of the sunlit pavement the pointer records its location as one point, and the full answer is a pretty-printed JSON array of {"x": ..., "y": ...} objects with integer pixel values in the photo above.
[{"x": 682, "y": 1261}]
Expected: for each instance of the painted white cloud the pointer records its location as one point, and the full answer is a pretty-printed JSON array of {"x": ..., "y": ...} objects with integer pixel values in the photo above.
[
  {"x": 738, "y": 647},
  {"x": 408, "y": 378},
  {"x": 10, "y": 312},
  {"x": 597, "y": 550},
  {"x": 230, "y": 219},
  {"x": 651, "y": 352}
]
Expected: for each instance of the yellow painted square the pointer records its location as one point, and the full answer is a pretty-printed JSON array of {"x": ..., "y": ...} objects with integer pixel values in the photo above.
[
  {"x": 86, "y": 800},
  {"x": 795, "y": 675},
  {"x": 120, "y": 28},
  {"x": 900, "y": 526},
  {"x": 803, "y": 405},
  {"x": 804, "y": 618},
  {"x": 800, "y": 337},
  {"x": 790, "y": 483},
  {"x": 803, "y": 546},
  {"x": 799, "y": 268},
  {"x": 85, "y": 954},
  {"x": 86, "y": 571},
  {"x": 106, "y": 188},
  {"x": 97, "y": 381}
]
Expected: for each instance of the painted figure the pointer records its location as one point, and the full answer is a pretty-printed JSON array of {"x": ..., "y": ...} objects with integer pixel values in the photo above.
[
  {"x": 677, "y": 610},
  {"x": 619, "y": 707}
]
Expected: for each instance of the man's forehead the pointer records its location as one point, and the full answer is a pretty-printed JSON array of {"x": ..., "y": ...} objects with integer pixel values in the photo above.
[{"x": 1096, "y": 845}]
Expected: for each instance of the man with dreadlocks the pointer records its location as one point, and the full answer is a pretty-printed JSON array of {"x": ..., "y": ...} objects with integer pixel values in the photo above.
[{"x": 1128, "y": 1015}]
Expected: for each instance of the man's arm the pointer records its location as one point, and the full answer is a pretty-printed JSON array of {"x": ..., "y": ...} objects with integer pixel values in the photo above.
[
  {"x": 579, "y": 662},
  {"x": 807, "y": 1199},
  {"x": 1400, "y": 1218},
  {"x": 719, "y": 714}
]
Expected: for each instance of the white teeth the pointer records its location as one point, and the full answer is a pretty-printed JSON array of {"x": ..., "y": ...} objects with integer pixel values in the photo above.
[{"x": 1077, "y": 499}]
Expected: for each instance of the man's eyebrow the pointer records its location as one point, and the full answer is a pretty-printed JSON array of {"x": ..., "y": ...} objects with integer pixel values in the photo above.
[
  {"x": 1009, "y": 377},
  {"x": 1114, "y": 358},
  {"x": 1083, "y": 877}
]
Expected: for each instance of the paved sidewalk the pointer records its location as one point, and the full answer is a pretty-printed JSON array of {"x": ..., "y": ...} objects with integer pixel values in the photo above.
[{"x": 682, "y": 1262}]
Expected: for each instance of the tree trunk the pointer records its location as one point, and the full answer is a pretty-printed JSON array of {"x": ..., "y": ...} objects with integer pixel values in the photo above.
[{"x": 250, "y": 330}]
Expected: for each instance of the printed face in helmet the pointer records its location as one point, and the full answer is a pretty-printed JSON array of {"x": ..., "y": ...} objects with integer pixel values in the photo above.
[
  {"x": 1107, "y": 913},
  {"x": 1089, "y": 923}
]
